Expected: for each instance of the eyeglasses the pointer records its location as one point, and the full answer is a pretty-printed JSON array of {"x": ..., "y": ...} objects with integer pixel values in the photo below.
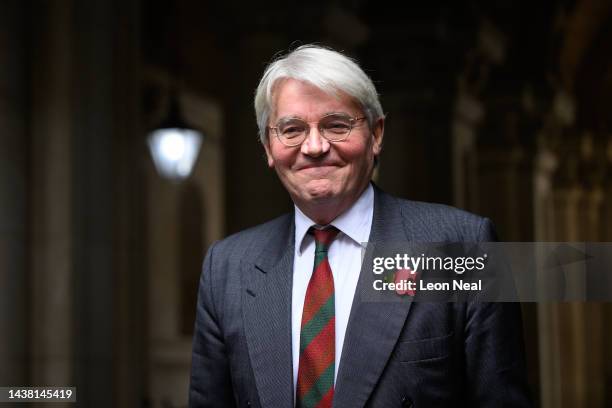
[{"x": 334, "y": 127}]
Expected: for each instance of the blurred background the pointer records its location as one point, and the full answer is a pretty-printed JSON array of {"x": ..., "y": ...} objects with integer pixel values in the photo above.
[{"x": 501, "y": 108}]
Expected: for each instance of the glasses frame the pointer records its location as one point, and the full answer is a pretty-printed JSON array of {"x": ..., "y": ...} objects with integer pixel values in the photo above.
[{"x": 353, "y": 121}]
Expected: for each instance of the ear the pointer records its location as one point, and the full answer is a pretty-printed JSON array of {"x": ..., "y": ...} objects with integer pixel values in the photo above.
[
  {"x": 378, "y": 131},
  {"x": 266, "y": 146}
]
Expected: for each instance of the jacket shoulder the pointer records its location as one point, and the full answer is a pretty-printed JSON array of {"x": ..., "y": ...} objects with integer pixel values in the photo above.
[{"x": 445, "y": 223}]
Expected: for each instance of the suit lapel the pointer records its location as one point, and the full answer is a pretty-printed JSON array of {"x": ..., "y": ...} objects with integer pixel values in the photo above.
[
  {"x": 267, "y": 316},
  {"x": 373, "y": 326}
]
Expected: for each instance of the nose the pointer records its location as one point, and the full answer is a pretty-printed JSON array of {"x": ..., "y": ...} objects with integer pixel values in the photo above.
[{"x": 315, "y": 144}]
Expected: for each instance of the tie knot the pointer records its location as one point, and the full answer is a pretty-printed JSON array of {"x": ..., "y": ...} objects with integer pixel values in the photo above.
[{"x": 324, "y": 237}]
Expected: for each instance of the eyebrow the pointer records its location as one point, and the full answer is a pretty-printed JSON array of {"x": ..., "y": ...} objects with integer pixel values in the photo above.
[{"x": 285, "y": 118}]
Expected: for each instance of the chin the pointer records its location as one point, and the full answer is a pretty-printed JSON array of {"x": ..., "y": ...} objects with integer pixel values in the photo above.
[
  {"x": 317, "y": 194},
  {"x": 319, "y": 189}
]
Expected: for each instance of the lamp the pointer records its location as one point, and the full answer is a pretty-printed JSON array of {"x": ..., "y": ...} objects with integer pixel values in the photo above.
[{"x": 174, "y": 145}]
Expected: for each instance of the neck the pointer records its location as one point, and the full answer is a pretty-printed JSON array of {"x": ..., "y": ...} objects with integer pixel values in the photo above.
[{"x": 322, "y": 215}]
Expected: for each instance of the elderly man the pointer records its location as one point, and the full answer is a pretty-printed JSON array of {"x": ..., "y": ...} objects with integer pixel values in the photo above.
[{"x": 280, "y": 322}]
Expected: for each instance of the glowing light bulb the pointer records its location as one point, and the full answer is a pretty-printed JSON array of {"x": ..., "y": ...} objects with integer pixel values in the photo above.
[{"x": 172, "y": 145}]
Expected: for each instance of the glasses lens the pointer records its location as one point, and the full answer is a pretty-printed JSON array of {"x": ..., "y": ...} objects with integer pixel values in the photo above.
[
  {"x": 292, "y": 130},
  {"x": 336, "y": 127}
]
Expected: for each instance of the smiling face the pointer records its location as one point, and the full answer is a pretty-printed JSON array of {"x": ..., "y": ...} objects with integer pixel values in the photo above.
[{"x": 323, "y": 178}]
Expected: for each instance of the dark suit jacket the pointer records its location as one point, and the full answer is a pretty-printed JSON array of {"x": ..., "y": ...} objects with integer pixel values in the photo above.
[{"x": 401, "y": 354}]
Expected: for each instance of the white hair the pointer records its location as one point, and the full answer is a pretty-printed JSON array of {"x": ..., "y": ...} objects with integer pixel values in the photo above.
[{"x": 324, "y": 68}]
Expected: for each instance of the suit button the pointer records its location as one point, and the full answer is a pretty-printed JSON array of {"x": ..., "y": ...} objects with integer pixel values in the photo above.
[
  {"x": 248, "y": 403},
  {"x": 406, "y": 402}
]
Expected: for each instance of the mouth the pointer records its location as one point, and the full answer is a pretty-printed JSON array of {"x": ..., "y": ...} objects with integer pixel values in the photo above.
[
  {"x": 320, "y": 166},
  {"x": 317, "y": 171}
]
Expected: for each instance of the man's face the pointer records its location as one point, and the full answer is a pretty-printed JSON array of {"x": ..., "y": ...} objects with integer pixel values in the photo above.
[{"x": 319, "y": 172}]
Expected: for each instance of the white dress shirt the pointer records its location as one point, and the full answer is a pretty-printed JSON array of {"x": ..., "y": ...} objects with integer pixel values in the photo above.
[{"x": 344, "y": 257}]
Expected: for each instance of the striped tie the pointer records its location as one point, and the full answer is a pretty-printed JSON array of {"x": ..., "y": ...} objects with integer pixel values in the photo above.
[{"x": 315, "y": 384}]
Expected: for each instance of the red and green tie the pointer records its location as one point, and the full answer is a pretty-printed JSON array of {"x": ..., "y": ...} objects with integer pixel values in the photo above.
[{"x": 315, "y": 384}]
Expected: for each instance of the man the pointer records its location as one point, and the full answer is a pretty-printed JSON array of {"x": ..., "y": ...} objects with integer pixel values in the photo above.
[{"x": 280, "y": 319}]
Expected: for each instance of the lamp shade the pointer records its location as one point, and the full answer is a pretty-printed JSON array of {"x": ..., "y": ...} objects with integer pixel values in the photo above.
[
  {"x": 174, "y": 151},
  {"x": 174, "y": 145}
]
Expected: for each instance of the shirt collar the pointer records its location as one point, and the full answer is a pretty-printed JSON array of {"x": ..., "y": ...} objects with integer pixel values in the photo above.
[{"x": 355, "y": 222}]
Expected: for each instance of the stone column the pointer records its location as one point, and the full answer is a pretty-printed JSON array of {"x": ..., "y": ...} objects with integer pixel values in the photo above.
[
  {"x": 545, "y": 165},
  {"x": 571, "y": 333},
  {"x": 95, "y": 137},
  {"x": 13, "y": 193},
  {"x": 130, "y": 370},
  {"x": 50, "y": 317}
]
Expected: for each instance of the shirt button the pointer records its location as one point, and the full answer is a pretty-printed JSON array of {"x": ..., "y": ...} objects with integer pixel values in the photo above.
[{"x": 406, "y": 402}]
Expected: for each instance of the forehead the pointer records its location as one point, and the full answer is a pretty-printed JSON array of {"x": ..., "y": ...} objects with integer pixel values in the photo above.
[{"x": 296, "y": 98}]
